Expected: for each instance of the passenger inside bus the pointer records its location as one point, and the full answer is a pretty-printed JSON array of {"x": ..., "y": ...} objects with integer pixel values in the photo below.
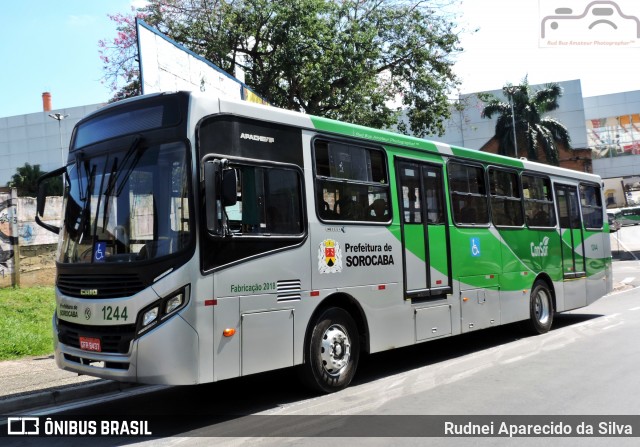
[
  {"x": 378, "y": 211},
  {"x": 347, "y": 208}
]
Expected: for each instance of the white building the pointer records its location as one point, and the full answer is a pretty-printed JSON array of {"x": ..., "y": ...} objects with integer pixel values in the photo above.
[{"x": 38, "y": 139}]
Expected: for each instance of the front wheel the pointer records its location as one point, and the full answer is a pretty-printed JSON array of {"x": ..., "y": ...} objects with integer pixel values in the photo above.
[
  {"x": 331, "y": 352},
  {"x": 540, "y": 309}
]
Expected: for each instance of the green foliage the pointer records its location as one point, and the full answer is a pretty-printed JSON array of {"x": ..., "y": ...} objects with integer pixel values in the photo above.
[
  {"x": 360, "y": 61},
  {"x": 25, "y": 180},
  {"x": 26, "y": 322},
  {"x": 533, "y": 131}
]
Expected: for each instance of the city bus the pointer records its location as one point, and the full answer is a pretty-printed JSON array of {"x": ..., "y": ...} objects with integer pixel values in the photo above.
[
  {"x": 629, "y": 215},
  {"x": 205, "y": 239}
]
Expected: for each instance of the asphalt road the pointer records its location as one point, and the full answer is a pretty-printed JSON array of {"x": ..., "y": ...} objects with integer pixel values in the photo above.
[{"x": 586, "y": 365}]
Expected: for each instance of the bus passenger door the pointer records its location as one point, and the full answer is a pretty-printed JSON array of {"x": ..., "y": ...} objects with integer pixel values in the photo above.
[
  {"x": 425, "y": 238},
  {"x": 573, "y": 267}
]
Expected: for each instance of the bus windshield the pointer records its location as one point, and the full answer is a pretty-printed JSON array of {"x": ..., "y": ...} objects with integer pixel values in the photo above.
[{"x": 127, "y": 206}]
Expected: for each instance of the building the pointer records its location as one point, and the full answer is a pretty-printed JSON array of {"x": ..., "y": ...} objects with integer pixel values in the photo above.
[
  {"x": 40, "y": 138},
  {"x": 604, "y": 130},
  {"x": 469, "y": 129}
]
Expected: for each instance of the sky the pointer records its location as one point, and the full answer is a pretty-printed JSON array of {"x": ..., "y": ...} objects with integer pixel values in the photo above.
[{"x": 53, "y": 46}]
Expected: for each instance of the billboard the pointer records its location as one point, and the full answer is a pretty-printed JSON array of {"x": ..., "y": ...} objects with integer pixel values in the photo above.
[
  {"x": 614, "y": 136},
  {"x": 167, "y": 66}
]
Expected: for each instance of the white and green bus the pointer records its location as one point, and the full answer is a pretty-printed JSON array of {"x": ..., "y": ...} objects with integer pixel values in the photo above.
[
  {"x": 629, "y": 215},
  {"x": 205, "y": 239}
]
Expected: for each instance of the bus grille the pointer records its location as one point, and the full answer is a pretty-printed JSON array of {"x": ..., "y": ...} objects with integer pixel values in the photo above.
[
  {"x": 113, "y": 339},
  {"x": 99, "y": 286}
]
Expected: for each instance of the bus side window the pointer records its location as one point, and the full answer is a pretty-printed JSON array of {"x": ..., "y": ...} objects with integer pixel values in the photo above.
[
  {"x": 268, "y": 202},
  {"x": 351, "y": 183},
  {"x": 506, "y": 206},
  {"x": 591, "y": 206},
  {"x": 538, "y": 202},
  {"x": 468, "y": 194}
]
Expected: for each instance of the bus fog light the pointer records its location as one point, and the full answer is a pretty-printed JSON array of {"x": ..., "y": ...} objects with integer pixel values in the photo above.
[
  {"x": 149, "y": 316},
  {"x": 173, "y": 303}
]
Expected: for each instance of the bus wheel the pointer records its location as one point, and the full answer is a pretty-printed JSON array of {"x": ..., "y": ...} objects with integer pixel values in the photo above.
[
  {"x": 540, "y": 309},
  {"x": 332, "y": 352}
]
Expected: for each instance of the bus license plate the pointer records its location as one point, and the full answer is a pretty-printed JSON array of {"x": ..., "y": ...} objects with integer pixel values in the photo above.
[{"x": 90, "y": 344}]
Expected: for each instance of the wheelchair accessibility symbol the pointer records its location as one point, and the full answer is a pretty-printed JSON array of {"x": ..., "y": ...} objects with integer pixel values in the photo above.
[
  {"x": 98, "y": 254},
  {"x": 475, "y": 247}
]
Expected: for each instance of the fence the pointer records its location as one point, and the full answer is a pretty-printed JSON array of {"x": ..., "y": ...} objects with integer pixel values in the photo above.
[{"x": 27, "y": 251}]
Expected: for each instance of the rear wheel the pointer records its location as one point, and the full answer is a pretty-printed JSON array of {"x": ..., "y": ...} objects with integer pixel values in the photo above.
[
  {"x": 540, "y": 309},
  {"x": 331, "y": 352}
]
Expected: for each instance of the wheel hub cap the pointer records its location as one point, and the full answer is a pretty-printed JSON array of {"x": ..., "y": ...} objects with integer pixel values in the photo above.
[{"x": 335, "y": 351}]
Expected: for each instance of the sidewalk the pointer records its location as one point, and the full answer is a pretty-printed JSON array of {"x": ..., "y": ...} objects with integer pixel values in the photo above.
[{"x": 34, "y": 382}]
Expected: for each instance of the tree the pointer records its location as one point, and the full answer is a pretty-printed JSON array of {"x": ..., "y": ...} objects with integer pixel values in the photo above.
[
  {"x": 356, "y": 60},
  {"x": 26, "y": 178},
  {"x": 533, "y": 131}
]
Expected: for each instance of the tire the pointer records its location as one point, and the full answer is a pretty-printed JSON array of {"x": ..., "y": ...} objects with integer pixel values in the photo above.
[
  {"x": 540, "y": 309},
  {"x": 331, "y": 352}
]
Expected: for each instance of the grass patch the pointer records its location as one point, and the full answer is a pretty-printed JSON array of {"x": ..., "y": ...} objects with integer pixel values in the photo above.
[{"x": 25, "y": 319}]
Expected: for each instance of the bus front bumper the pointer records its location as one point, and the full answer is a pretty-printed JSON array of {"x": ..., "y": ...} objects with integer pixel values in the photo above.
[{"x": 166, "y": 355}]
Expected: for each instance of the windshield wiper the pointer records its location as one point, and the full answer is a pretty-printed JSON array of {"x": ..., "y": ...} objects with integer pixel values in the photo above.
[
  {"x": 107, "y": 192},
  {"x": 133, "y": 149},
  {"x": 79, "y": 160},
  {"x": 85, "y": 210}
]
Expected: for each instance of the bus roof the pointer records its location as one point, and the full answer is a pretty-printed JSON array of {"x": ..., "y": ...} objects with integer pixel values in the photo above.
[{"x": 382, "y": 137}]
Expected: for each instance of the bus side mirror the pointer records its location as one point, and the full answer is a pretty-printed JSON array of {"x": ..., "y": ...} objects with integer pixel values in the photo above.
[
  {"x": 41, "y": 200},
  {"x": 220, "y": 186},
  {"x": 229, "y": 187}
]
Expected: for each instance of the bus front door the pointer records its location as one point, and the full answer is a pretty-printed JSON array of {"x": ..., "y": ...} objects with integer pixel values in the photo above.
[
  {"x": 572, "y": 242},
  {"x": 425, "y": 238}
]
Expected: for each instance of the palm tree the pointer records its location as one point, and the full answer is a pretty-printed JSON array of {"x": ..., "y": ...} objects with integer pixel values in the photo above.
[
  {"x": 525, "y": 111},
  {"x": 25, "y": 181}
]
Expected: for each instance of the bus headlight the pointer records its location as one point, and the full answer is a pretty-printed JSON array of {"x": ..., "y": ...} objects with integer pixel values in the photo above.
[
  {"x": 159, "y": 311},
  {"x": 149, "y": 317},
  {"x": 173, "y": 303}
]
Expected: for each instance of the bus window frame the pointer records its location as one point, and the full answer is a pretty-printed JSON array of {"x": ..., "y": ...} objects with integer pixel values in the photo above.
[
  {"x": 552, "y": 202},
  {"x": 465, "y": 162},
  {"x": 510, "y": 198},
  {"x": 234, "y": 162},
  {"x": 317, "y": 179},
  {"x": 582, "y": 207}
]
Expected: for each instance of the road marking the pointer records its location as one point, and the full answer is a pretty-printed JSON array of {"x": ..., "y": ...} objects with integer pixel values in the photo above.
[
  {"x": 626, "y": 249},
  {"x": 612, "y": 326},
  {"x": 635, "y": 308}
]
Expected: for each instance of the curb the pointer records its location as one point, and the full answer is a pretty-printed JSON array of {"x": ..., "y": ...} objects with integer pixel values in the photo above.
[{"x": 57, "y": 396}]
